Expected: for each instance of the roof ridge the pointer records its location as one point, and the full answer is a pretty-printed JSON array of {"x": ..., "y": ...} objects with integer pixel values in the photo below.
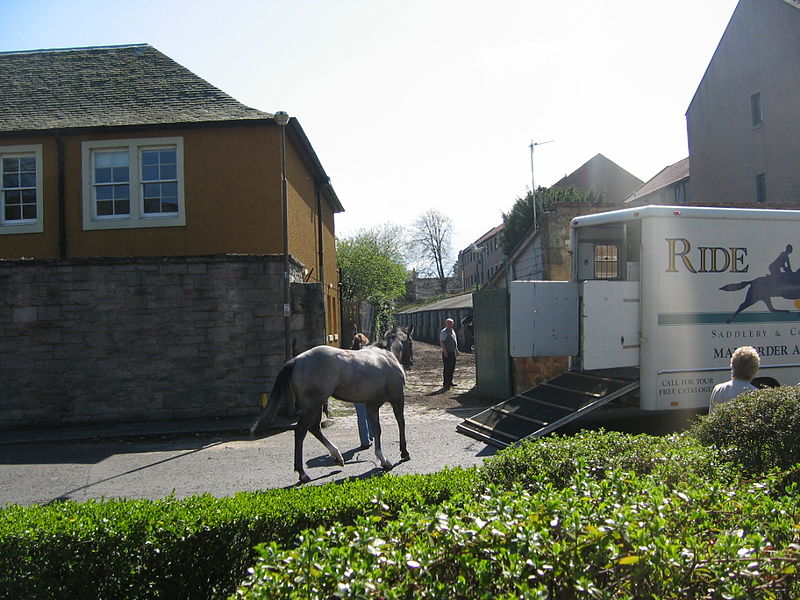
[{"x": 74, "y": 49}]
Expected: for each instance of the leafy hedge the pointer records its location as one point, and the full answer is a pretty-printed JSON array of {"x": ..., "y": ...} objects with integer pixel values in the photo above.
[
  {"x": 557, "y": 459},
  {"x": 759, "y": 430},
  {"x": 198, "y": 547},
  {"x": 623, "y": 536}
]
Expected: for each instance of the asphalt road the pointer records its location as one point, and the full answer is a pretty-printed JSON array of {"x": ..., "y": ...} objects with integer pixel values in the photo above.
[{"x": 224, "y": 462}]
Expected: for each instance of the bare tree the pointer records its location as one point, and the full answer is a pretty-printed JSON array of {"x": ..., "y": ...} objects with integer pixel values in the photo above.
[{"x": 431, "y": 244}]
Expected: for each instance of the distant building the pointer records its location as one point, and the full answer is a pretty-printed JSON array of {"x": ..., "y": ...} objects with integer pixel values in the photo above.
[
  {"x": 604, "y": 176},
  {"x": 669, "y": 186},
  {"x": 743, "y": 122},
  {"x": 482, "y": 259}
]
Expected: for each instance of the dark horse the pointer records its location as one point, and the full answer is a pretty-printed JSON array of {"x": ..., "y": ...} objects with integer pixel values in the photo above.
[
  {"x": 371, "y": 375},
  {"x": 785, "y": 285}
]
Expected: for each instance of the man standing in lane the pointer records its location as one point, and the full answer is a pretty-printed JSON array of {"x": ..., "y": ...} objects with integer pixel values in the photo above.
[{"x": 449, "y": 345}]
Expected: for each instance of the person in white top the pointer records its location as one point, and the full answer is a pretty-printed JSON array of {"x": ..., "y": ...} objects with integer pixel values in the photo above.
[
  {"x": 449, "y": 344},
  {"x": 744, "y": 366}
]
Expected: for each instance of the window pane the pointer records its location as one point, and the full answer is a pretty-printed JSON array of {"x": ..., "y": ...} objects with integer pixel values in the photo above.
[
  {"x": 104, "y": 192},
  {"x": 13, "y": 213},
  {"x": 169, "y": 188},
  {"x": 102, "y": 175},
  {"x": 151, "y": 190},
  {"x": 152, "y": 205},
  {"x": 119, "y": 174},
  {"x": 10, "y": 181},
  {"x": 28, "y": 180},
  {"x": 119, "y": 159},
  {"x": 27, "y": 163},
  {"x": 150, "y": 173},
  {"x": 102, "y": 160},
  {"x": 104, "y": 208},
  {"x": 29, "y": 196},
  {"x": 29, "y": 211},
  {"x": 122, "y": 191},
  {"x": 755, "y": 109},
  {"x": 10, "y": 165},
  {"x": 169, "y": 172},
  {"x": 169, "y": 205},
  {"x": 149, "y": 157},
  {"x": 761, "y": 188},
  {"x": 122, "y": 207},
  {"x": 13, "y": 197}
]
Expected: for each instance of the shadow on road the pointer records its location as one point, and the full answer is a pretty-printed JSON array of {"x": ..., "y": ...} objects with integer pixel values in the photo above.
[{"x": 67, "y": 495}]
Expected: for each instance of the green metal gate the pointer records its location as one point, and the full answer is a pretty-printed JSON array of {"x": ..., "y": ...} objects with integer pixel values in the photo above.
[{"x": 492, "y": 360}]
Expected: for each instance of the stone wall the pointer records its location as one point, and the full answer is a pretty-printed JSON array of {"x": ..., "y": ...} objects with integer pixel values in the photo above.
[
  {"x": 424, "y": 288},
  {"x": 135, "y": 339}
]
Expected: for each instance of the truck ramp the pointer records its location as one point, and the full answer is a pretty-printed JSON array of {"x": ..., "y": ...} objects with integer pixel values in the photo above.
[{"x": 546, "y": 407}]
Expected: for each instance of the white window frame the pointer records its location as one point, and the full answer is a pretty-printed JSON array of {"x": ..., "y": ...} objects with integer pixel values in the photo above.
[
  {"x": 137, "y": 217},
  {"x": 29, "y": 226}
]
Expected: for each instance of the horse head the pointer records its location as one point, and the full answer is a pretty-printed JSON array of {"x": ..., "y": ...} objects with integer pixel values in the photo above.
[
  {"x": 400, "y": 343},
  {"x": 359, "y": 341}
]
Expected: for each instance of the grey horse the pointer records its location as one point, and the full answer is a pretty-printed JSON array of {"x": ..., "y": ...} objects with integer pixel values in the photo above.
[{"x": 372, "y": 375}]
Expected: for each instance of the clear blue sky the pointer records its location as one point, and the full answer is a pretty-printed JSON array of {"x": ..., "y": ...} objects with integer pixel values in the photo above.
[{"x": 417, "y": 104}]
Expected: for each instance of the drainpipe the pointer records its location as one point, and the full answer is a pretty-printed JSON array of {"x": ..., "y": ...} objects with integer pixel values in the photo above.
[
  {"x": 321, "y": 253},
  {"x": 62, "y": 202},
  {"x": 281, "y": 118}
]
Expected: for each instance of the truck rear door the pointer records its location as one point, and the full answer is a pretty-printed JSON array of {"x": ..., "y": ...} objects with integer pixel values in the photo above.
[{"x": 610, "y": 324}]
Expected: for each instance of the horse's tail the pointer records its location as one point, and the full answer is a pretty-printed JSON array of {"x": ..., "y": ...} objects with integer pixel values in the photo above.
[
  {"x": 281, "y": 393},
  {"x": 735, "y": 287}
]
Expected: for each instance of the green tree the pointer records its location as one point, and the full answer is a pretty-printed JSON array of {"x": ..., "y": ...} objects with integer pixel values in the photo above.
[
  {"x": 372, "y": 266},
  {"x": 519, "y": 220}
]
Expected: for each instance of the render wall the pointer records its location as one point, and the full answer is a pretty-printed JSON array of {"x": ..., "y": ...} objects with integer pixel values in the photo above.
[
  {"x": 138, "y": 339},
  {"x": 758, "y": 54}
]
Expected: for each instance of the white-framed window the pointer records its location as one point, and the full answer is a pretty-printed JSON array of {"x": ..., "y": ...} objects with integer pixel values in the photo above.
[
  {"x": 133, "y": 183},
  {"x": 21, "y": 189}
]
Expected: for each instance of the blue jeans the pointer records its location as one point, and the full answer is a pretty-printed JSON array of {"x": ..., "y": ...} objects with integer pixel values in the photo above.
[{"x": 364, "y": 430}]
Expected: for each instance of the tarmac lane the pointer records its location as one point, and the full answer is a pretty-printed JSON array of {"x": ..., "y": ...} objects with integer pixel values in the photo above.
[{"x": 190, "y": 459}]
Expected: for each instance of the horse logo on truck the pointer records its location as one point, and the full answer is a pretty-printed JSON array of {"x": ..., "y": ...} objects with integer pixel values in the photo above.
[{"x": 781, "y": 282}]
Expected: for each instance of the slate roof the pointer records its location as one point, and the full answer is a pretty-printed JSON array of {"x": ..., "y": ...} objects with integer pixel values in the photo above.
[
  {"x": 107, "y": 86},
  {"x": 664, "y": 178},
  {"x": 491, "y": 233}
]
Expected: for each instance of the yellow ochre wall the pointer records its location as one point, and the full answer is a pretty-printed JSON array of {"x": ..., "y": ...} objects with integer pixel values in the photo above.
[{"x": 232, "y": 193}]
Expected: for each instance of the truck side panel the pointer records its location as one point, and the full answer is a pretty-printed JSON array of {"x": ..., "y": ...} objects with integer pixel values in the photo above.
[{"x": 709, "y": 286}]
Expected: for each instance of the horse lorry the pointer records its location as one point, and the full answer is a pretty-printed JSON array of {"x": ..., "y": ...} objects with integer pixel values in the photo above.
[{"x": 659, "y": 298}]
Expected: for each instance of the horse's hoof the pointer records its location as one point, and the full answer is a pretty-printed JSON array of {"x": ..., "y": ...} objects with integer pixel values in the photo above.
[
  {"x": 405, "y": 456},
  {"x": 340, "y": 461},
  {"x": 304, "y": 478},
  {"x": 386, "y": 465}
]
